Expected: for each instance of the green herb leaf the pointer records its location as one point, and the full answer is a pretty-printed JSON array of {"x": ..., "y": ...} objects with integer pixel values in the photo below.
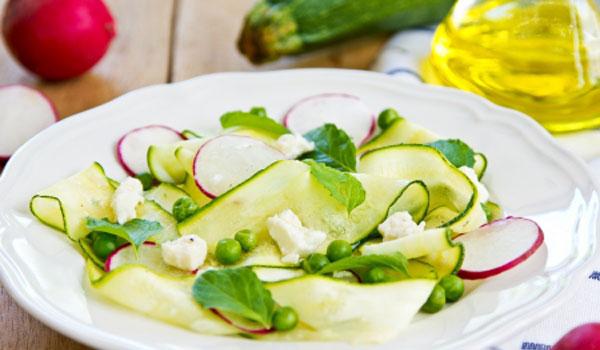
[
  {"x": 332, "y": 147},
  {"x": 395, "y": 261},
  {"x": 456, "y": 151},
  {"x": 237, "y": 291},
  {"x": 344, "y": 187},
  {"x": 135, "y": 231},
  {"x": 256, "y": 119}
]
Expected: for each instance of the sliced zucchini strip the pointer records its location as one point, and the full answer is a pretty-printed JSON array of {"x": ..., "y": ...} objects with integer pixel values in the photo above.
[
  {"x": 165, "y": 195},
  {"x": 276, "y": 274},
  {"x": 480, "y": 165},
  {"x": 151, "y": 211},
  {"x": 161, "y": 297},
  {"x": 185, "y": 157},
  {"x": 163, "y": 164},
  {"x": 415, "y": 245},
  {"x": 266, "y": 137},
  {"x": 289, "y": 185},
  {"x": 401, "y": 131},
  {"x": 493, "y": 211},
  {"x": 351, "y": 311},
  {"x": 88, "y": 253},
  {"x": 414, "y": 199},
  {"x": 66, "y": 204},
  {"x": 448, "y": 187},
  {"x": 447, "y": 261}
]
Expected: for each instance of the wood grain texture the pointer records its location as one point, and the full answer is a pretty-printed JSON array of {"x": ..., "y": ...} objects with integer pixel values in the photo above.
[
  {"x": 206, "y": 34},
  {"x": 138, "y": 56},
  {"x": 157, "y": 41}
]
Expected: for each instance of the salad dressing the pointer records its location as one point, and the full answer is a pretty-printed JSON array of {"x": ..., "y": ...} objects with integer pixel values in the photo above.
[{"x": 539, "y": 57}]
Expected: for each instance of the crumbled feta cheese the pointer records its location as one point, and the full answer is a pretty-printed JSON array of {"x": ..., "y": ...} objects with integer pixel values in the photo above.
[
  {"x": 126, "y": 198},
  {"x": 484, "y": 195},
  {"x": 398, "y": 225},
  {"x": 293, "y": 145},
  {"x": 294, "y": 240},
  {"x": 186, "y": 252}
]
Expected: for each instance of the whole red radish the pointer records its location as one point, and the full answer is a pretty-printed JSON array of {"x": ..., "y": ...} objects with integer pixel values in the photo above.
[
  {"x": 584, "y": 337},
  {"x": 57, "y": 39}
]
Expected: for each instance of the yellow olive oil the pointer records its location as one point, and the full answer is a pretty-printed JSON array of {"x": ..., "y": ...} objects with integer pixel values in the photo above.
[{"x": 539, "y": 57}]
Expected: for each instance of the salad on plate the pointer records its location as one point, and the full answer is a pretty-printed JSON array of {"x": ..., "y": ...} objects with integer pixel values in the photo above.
[{"x": 331, "y": 225}]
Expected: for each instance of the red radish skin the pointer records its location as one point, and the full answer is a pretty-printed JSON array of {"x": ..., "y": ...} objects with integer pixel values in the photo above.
[
  {"x": 261, "y": 331},
  {"x": 120, "y": 149},
  {"x": 208, "y": 192},
  {"x": 360, "y": 139},
  {"x": 47, "y": 111},
  {"x": 584, "y": 337},
  {"x": 527, "y": 251},
  {"x": 58, "y": 39},
  {"x": 108, "y": 262}
]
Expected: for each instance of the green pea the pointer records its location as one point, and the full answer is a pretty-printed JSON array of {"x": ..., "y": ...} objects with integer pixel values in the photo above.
[
  {"x": 436, "y": 300},
  {"x": 454, "y": 287},
  {"x": 260, "y": 111},
  {"x": 247, "y": 240},
  {"x": 183, "y": 208},
  {"x": 146, "y": 179},
  {"x": 338, "y": 249},
  {"x": 374, "y": 275},
  {"x": 104, "y": 245},
  {"x": 314, "y": 262},
  {"x": 229, "y": 251},
  {"x": 285, "y": 319},
  {"x": 387, "y": 117}
]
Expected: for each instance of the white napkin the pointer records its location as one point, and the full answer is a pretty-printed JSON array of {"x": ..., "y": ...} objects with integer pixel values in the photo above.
[{"x": 402, "y": 58}]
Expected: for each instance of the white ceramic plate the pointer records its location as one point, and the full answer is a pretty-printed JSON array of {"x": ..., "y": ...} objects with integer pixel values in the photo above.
[{"x": 529, "y": 174}]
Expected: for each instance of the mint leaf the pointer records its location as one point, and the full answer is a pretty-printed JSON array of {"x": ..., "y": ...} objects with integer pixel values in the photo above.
[
  {"x": 237, "y": 291},
  {"x": 135, "y": 231},
  {"x": 257, "y": 119},
  {"x": 343, "y": 187},
  {"x": 456, "y": 151},
  {"x": 332, "y": 147},
  {"x": 395, "y": 261}
]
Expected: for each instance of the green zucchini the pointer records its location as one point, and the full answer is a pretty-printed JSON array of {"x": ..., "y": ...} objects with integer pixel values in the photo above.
[
  {"x": 159, "y": 296},
  {"x": 480, "y": 165},
  {"x": 447, "y": 261},
  {"x": 450, "y": 190},
  {"x": 274, "y": 28},
  {"x": 350, "y": 311},
  {"x": 413, "y": 246},
  {"x": 289, "y": 185},
  {"x": 414, "y": 199},
  {"x": 165, "y": 195},
  {"x": 66, "y": 204},
  {"x": 401, "y": 131}
]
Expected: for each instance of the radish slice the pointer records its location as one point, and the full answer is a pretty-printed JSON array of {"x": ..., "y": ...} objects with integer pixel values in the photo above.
[
  {"x": 499, "y": 246},
  {"x": 24, "y": 112},
  {"x": 347, "y": 112},
  {"x": 149, "y": 255},
  {"x": 228, "y": 160},
  {"x": 242, "y": 325},
  {"x": 133, "y": 146}
]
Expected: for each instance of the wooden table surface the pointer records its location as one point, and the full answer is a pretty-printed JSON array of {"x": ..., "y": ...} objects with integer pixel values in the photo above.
[{"x": 158, "y": 41}]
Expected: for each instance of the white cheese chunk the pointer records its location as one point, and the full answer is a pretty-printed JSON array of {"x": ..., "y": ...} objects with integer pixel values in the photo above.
[
  {"x": 126, "y": 198},
  {"x": 186, "y": 252},
  {"x": 398, "y": 225},
  {"x": 294, "y": 240},
  {"x": 293, "y": 145},
  {"x": 484, "y": 195}
]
